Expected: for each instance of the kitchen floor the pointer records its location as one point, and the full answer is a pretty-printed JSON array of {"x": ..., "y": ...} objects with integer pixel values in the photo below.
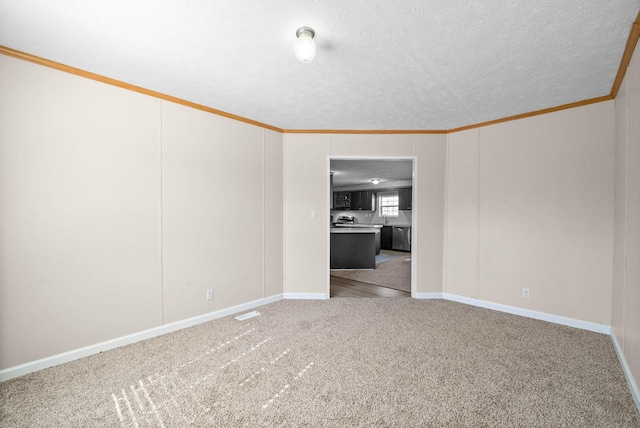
[
  {"x": 343, "y": 287},
  {"x": 346, "y": 287}
]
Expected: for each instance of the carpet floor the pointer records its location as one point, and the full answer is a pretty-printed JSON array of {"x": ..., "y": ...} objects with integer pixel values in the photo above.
[
  {"x": 394, "y": 271},
  {"x": 336, "y": 363}
]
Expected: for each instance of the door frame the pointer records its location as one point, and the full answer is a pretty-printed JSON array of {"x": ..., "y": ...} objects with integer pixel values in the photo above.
[{"x": 414, "y": 209}]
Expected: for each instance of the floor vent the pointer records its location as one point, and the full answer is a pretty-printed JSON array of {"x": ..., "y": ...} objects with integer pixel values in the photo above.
[{"x": 247, "y": 315}]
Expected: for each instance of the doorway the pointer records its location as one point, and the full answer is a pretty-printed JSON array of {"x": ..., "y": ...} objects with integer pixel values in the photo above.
[{"x": 372, "y": 199}]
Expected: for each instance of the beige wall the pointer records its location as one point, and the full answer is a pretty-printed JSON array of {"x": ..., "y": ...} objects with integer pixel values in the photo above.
[
  {"x": 273, "y": 213},
  {"x": 305, "y": 191},
  {"x": 430, "y": 151},
  {"x": 461, "y": 239},
  {"x": 79, "y": 212},
  {"x": 530, "y": 206},
  {"x": 626, "y": 278},
  {"x": 103, "y": 191},
  {"x": 212, "y": 200},
  {"x": 306, "y": 180}
]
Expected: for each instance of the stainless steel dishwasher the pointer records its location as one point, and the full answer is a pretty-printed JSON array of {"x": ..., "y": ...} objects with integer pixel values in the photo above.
[{"x": 401, "y": 238}]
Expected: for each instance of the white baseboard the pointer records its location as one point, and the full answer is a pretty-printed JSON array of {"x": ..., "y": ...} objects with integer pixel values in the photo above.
[
  {"x": 429, "y": 296},
  {"x": 570, "y": 322},
  {"x": 556, "y": 319},
  {"x": 633, "y": 386},
  {"x": 76, "y": 354},
  {"x": 54, "y": 360},
  {"x": 306, "y": 296}
]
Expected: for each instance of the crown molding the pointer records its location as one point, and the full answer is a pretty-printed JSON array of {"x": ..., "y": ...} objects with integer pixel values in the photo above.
[
  {"x": 632, "y": 41},
  {"x": 97, "y": 77},
  {"x": 634, "y": 35},
  {"x": 534, "y": 113}
]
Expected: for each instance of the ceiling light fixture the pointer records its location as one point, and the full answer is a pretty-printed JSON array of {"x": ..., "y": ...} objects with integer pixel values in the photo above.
[
  {"x": 305, "y": 48},
  {"x": 375, "y": 181}
]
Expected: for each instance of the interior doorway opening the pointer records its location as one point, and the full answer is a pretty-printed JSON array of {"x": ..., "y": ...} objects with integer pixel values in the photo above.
[{"x": 372, "y": 229}]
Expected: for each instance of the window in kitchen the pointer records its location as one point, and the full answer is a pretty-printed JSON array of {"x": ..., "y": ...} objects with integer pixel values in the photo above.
[{"x": 388, "y": 204}]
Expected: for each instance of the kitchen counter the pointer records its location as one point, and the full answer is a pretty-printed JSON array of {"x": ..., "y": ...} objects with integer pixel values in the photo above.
[
  {"x": 354, "y": 247},
  {"x": 355, "y": 230},
  {"x": 367, "y": 225},
  {"x": 357, "y": 226}
]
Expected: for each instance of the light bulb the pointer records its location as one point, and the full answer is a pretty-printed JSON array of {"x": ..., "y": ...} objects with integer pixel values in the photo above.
[{"x": 305, "y": 47}]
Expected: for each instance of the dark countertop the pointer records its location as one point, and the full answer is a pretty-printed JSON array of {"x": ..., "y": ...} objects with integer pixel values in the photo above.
[
  {"x": 366, "y": 226},
  {"x": 355, "y": 230},
  {"x": 358, "y": 225}
]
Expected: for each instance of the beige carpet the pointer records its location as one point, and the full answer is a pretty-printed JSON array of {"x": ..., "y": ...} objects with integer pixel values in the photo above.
[
  {"x": 343, "y": 362},
  {"x": 394, "y": 273}
]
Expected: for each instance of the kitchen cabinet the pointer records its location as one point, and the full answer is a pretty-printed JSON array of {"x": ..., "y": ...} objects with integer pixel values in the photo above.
[
  {"x": 341, "y": 200},
  {"x": 385, "y": 237},
  {"x": 404, "y": 198},
  {"x": 364, "y": 200},
  {"x": 353, "y": 248}
]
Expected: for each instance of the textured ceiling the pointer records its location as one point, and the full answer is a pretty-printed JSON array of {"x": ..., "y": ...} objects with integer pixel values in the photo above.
[
  {"x": 348, "y": 172},
  {"x": 410, "y": 65}
]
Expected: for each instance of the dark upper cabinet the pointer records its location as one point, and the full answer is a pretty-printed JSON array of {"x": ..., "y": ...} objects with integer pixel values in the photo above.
[
  {"x": 371, "y": 200},
  {"x": 364, "y": 200},
  {"x": 404, "y": 198},
  {"x": 341, "y": 200},
  {"x": 356, "y": 201}
]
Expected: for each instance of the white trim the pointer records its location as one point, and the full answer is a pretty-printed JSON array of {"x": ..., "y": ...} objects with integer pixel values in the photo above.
[
  {"x": 306, "y": 296},
  {"x": 429, "y": 296},
  {"x": 528, "y": 313},
  {"x": 414, "y": 215},
  {"x": 633, "y": 386},
  {"x": 556, "y": 319},
  {"x": 76, "y": 354}
]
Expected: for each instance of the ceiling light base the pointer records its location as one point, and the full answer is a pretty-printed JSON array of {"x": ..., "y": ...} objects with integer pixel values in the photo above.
[
  {"x": 305, "y": 48},
  {"x": 303, "y": 30}
]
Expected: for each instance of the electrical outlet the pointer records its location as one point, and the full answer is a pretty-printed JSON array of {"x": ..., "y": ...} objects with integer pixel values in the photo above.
[
  {"x": 209, "y": 294},
  {"x": 526, "y": 293}
]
